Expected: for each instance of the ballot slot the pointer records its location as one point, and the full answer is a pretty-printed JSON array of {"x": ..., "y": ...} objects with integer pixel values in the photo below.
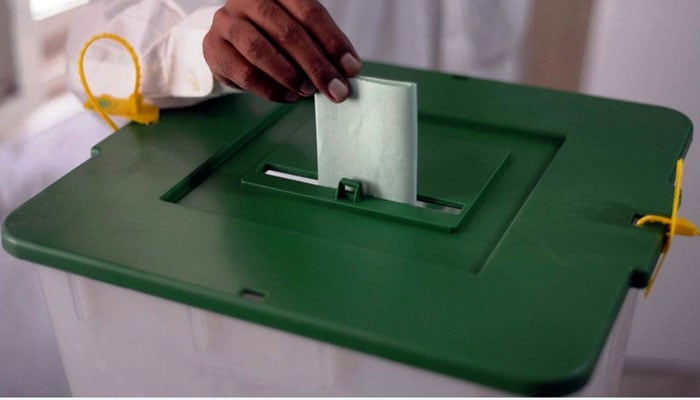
[
  {"x": 291, "y": 177},
  {"x": 430, "y": 203},
  {"x": 427, "y": 211},
  {"x": 438, "y": 205}
]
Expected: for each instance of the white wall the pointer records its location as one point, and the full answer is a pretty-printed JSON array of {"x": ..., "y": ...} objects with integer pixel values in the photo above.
[
  {"x": 25, "y": 60},
  {"x": 7, "y": 67},
  {"x": 649, "y": 51}
]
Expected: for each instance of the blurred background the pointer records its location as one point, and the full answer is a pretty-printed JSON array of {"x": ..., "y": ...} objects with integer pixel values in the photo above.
[{"x": 639, "y": 50}]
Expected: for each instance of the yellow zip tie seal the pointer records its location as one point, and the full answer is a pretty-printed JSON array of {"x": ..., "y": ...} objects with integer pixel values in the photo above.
[
  {"x": 674, "y": 225},
  {"x": 132, "y": 108}
]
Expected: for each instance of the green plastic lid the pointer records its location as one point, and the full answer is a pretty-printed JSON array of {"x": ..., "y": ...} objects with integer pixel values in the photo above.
[{"x": 511, "y": 274}]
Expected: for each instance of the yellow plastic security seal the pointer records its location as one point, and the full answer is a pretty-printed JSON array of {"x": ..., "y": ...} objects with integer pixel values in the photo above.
[
  {"x": 674, "y": 225},
  {"x": 132, "y": 108}
]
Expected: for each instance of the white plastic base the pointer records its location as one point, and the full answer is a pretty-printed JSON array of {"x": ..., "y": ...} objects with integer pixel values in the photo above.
[{"x": 119, "y": 342}]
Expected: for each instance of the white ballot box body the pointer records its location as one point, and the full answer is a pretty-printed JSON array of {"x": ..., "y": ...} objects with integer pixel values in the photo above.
[{"x": 119, "y": 342}]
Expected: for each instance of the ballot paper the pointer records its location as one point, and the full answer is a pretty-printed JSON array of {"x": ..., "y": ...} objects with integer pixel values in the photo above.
[{"x": 371, "y": 137}]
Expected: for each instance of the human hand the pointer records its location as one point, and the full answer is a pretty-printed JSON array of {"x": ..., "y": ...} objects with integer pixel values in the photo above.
[{"x": 281, "y": 50}]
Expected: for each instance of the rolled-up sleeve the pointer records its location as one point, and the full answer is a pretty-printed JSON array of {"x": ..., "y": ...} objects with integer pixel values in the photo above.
[{"x": 167, "y": 36}]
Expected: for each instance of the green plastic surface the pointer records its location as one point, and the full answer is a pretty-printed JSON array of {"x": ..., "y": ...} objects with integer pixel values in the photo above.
[{"x": 517, "y": 288}]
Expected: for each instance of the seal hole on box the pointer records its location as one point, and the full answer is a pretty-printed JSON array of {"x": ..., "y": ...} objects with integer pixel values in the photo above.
[
  {"x": 460, "y": 77},
  {"x": 252, "y": 295}
]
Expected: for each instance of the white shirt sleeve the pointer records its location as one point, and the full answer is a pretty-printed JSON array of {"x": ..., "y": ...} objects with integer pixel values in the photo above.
[{"x": 167, "y": 36}]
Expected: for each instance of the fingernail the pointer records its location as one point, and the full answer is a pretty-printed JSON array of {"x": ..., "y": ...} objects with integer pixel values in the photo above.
[
  {"x": 338, "y": 90},
  {"x": 350, "y": 64},
  {"x": 307, "y": 89},
  {"x": 291, "y": 97}
]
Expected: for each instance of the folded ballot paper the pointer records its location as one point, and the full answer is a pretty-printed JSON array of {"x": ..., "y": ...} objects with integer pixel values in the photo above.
[{"x": 371, "y": 137}]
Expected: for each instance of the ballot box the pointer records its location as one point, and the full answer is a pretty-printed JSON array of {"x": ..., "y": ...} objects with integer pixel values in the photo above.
[{"x": 197, "y": 256}]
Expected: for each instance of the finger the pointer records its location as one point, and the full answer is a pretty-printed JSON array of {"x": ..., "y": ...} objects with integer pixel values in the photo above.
[
  {"x": 227, "y": 81},
  {"x": 316, "y": 19},
  {"x": 293, "y": 39},
  {"x": 258, "y": 50},
  {"x": 232, "y": 69}
]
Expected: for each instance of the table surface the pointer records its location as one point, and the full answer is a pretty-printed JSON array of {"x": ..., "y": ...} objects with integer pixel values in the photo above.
[{"x": 518, "y": 290}]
